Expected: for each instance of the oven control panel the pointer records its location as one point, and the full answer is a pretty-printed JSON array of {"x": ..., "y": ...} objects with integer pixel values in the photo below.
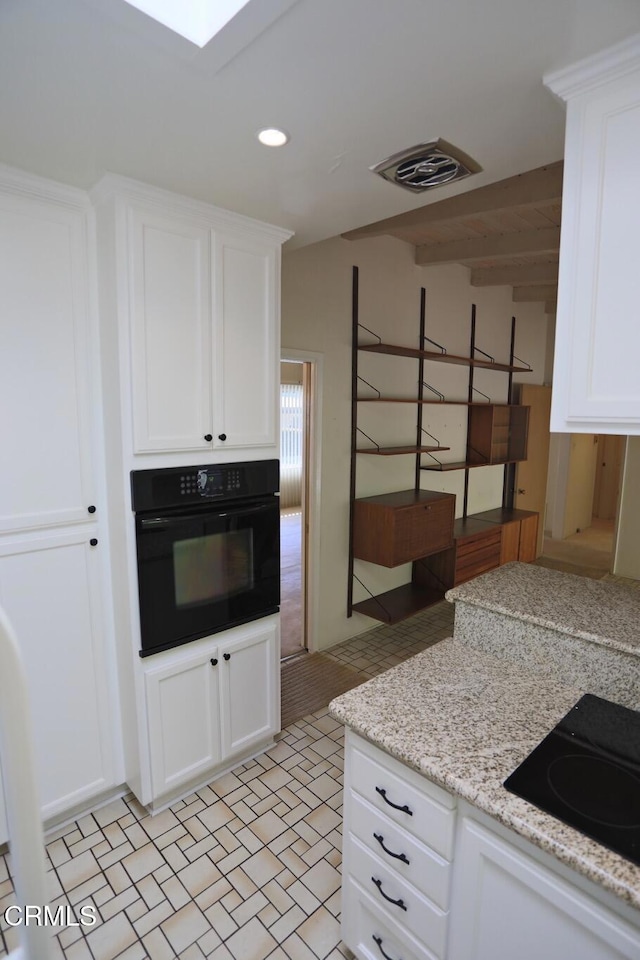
[
  {"x": 211, "y": 482},
  {"x": 181, "y": 486}
]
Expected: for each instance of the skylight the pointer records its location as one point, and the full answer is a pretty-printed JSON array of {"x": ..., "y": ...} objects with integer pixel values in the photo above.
[{"x": 196, "y": 20}]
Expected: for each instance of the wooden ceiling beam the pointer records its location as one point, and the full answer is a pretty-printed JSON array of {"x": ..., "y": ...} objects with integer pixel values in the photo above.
[
  {"x": 533, "y": 294},
  {"x": 536, "y": 187},
  {"x": 498, "y": 246},
  {"x": 525, "y": 274}
]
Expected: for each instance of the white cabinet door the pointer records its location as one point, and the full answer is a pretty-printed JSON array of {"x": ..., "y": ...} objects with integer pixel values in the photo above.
[
  {"x": 204, "y": 346},
  {"x": 170, "y": 332},
  {"x": 507, "y": 905},
  {"x": 596, "y": 387},
  {"x": 183, "y": 719},
  {"x": 249, "y": 687},
  {"x": 46, "y": 475},
  {"x": 49, "y": 588},
  {"x": 246, "y": 348}
]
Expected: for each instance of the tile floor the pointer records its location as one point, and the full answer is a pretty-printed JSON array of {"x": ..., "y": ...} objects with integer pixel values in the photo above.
[{"x": 246, "y": 868}]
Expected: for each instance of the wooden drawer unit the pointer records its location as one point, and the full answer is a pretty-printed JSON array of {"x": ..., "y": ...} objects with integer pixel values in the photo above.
[
  {"x": 519, "y": 532},
  {"x": 477, "y": 549},
  {"x": 395, "y": 528}
]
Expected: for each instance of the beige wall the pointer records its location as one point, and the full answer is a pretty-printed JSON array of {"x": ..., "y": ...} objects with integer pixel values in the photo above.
[
  {"x": 580, "y": 483},
  {"x": 316, "y": 316},
  {"x": 627, "y": 552}
]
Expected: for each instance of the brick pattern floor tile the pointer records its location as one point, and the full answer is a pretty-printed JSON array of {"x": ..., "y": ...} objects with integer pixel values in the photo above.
[{"x": 247, "y": 868}]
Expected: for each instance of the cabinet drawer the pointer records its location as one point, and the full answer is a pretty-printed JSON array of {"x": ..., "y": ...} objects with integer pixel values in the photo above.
[
  {"x": 477, "y": 555},
  {"x": 400, "y": 527},
  {"x": 396, "y": 899},
  {"x": 423, "y": 809},
  {"x": 372, "y": 935},
  {"x": 414, "y": 862}
]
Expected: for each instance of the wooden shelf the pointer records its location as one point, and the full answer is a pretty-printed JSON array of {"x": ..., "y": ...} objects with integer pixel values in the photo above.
[
  {"x": 415, "y": 400},
  {"x": 393, "y": 529},
  {"x": 393, "y": 350},
  {"x": 398, "y": 451},
  {"x": 400, "y": 603},
  {"x": 503, "y": 515},
  {"x": 465, "y": 465}
]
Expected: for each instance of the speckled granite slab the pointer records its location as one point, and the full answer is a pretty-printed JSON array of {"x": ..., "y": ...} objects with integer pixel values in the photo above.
[
  {"x": 591, "y": 667},
  {"x": 600, "y": 612},
  {"x": 466, "y": 720}
]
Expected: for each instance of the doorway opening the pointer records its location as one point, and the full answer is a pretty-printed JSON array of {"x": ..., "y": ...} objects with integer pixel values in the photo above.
[
  {"x": 585, "y": 473},
  {"x": 296, "y": 422}
]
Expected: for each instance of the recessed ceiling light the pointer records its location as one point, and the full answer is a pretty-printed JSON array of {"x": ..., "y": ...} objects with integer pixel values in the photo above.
[{"x": 272, "y": 137}]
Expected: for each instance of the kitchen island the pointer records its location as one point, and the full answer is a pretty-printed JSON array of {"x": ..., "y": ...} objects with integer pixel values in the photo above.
[
  {"x": 585, "y": 632},
  {"x": 447, "y": 727}
]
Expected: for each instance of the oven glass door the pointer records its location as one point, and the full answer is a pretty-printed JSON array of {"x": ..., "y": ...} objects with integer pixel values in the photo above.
[{"x": 206, "y": 570}]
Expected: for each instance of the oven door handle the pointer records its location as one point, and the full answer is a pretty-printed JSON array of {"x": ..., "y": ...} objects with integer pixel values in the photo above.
[{"x": 155, "y": 523}]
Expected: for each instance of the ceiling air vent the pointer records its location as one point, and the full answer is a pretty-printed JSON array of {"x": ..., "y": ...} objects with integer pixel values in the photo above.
[{"x": 427, "y": 165}]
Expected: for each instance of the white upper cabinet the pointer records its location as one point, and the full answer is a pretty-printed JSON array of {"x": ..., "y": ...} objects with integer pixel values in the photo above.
[
  {"x": 596, "y": 386},
  {"x": 246, "y": 337},
  {"x": 199, "y": 314},
  {"x": 170, "y": 332},
  {"x": 46, "y": 475}
]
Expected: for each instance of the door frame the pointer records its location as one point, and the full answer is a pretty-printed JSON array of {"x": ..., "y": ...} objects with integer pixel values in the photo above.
[{"x": 311, "y": 498}]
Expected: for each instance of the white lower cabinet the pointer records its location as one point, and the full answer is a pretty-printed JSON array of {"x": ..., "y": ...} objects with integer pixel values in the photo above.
[
  {"x": 398, "y": 842},
  {"x": 425, "y": 878},
  {"x": 50, "y": 590},
  {"x": 206, "y": 706},
  {"x": 506, "y": 904}
]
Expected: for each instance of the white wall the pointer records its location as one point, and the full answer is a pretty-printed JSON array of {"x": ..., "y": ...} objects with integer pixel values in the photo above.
[{"x": 316, "y": 315}]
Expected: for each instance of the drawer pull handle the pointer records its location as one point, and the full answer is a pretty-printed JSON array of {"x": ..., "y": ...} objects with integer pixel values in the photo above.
[
  {"x": 378, "y": 943},
  {"x": 396, "y": 856},
  {"x": 383, "y": 794},
  {"x": 396, "y": 903}
]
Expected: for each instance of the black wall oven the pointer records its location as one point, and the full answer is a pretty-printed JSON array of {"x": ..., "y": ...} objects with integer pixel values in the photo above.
[{"x": 208, "y": 549}]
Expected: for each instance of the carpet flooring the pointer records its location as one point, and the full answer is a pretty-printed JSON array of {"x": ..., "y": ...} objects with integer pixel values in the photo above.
[{"x": 310, "y": 682}]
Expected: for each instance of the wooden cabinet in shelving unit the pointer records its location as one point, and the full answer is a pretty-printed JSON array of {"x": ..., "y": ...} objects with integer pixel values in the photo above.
[{"x": 395, "y": 528}]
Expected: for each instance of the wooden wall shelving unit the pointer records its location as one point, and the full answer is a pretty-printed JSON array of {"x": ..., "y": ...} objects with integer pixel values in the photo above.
[{"x": 391, "y": 529}]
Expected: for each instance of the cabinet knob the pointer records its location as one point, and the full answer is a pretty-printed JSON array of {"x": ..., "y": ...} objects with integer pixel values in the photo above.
[
  {"x": 91, "y": 509},
  {"x": 208, "y": 437},
  {"x": 227, "y": 656},
  {"x": 93, "y": 542},
  {"x": 222, "y": 436},
  {"x": 520, "y": 490},
  {"x": 214, "y": 661}
]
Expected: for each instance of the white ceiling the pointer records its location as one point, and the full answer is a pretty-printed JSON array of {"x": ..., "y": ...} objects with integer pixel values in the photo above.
[{"x": 89, "y": 86}]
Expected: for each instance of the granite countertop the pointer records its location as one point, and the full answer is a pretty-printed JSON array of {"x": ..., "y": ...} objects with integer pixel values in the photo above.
[
  {"x": 466, "y": 720},
  {"x": 600, "y": 612}
]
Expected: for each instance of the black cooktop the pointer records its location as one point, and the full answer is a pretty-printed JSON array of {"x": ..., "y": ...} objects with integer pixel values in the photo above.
[{"x": 586, "y": 772}]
